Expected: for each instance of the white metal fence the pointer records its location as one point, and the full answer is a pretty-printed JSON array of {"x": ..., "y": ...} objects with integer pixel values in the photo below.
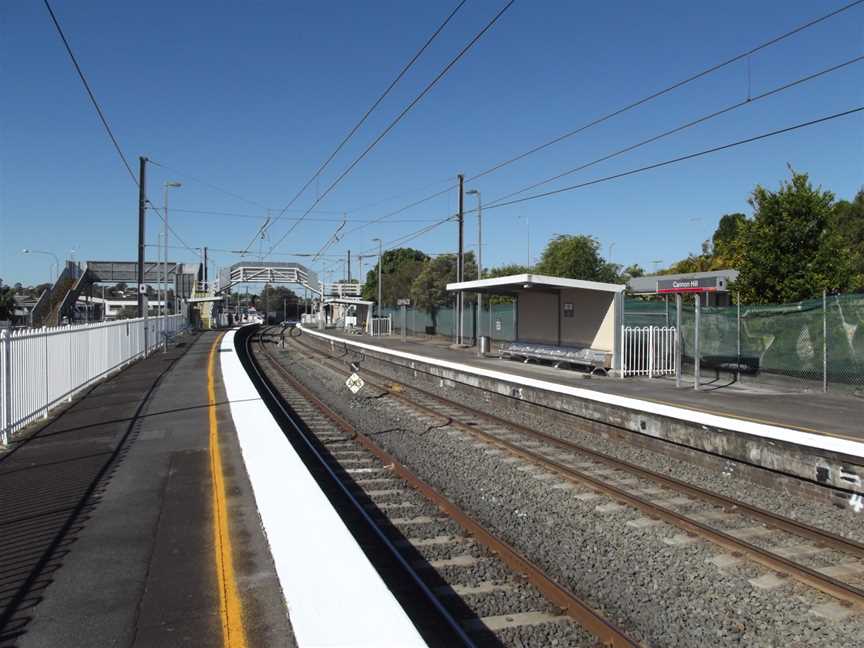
[
  {"x": 648, "y": 350},
  {"x": 381, "y": 325},
  {"x": 40, "y": 368}
]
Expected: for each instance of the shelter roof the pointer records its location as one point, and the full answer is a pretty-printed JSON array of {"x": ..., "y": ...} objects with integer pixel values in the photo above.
[{"x": 514, "y": 284}]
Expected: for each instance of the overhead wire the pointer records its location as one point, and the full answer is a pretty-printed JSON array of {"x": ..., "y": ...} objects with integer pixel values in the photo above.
[
  {"x": 206, "y": 183},
  {"x": 90, "y": 93},
  {"x": 372, "y": 108},
  {"x": 746, "y": 102},
  {"x": 707, "y": 71},
  {"x": 401, "y": 115},
  {"x": 676, "y": 160}
]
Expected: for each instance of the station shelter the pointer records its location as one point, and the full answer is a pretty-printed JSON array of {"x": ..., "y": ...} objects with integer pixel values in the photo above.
[
  {"x": 566, "y": 321},
  {"x": 346, "y": 312}
]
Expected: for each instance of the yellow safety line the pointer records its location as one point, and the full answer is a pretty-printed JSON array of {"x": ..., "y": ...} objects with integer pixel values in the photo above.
[{"x": 230, "y": 607}]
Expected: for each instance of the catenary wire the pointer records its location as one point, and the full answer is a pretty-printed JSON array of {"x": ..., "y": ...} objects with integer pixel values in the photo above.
[
  {"x": 682, "y": 127},
  {"x": 682, "y": 158},
  {"x": 90, "y": 93},
  {"x": 400, "y": 116},
  {"x": 666, "y": 90},
  {"x": 371, "y": 109}
]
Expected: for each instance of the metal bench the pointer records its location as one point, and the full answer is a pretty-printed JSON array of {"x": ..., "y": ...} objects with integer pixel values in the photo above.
[{"x": 579, "y": 356}]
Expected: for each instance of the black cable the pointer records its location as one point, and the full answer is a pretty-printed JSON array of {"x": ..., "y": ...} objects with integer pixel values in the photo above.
[
  {"x": 313, "y": 220},
  {"x": 399, "y": 117},
  {"x": 90, "y": 92},
  {"x": 666, "y": 90},
  {"x": 215, "y": 187},
  {"x": 683, "y": 127},
  {"x": 682, "y": 158},
  {"x": 363, "y": 119}
]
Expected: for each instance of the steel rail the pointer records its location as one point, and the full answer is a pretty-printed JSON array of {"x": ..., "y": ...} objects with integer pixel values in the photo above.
[
  {"x": 296, "y": 424},
  {"x": 806, "y": 575},
  {"x": 591, "y": 620}
]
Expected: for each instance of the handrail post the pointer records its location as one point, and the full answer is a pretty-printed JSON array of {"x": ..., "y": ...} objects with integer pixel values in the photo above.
[{"x": 6, "y": 396}]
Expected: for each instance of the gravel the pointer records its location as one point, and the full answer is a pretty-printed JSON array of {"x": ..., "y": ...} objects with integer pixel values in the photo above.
[{"x": 661, "y": 594}]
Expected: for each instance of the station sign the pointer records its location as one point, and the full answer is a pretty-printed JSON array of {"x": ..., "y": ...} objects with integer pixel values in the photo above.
[{"x": 694, "y": 285}]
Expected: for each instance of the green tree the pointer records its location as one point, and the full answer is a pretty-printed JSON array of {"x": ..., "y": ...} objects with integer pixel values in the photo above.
[
  {"x": 399, "y": 268},
  {"x": 504, "y": 271},
  {"x": 576, "y": 257},
  {"x": 847, "y": 223},
  {"x": 7, "y": 302},
  {"x": 789, "y": 251},
  {"x": 429, "y": 288},
  {"x": 634, "y": 270}
]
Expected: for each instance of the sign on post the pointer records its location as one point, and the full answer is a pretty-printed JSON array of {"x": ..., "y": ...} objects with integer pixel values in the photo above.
[
  {"x": 695, "y": 285},
  {"x": 354, "y": 383}
]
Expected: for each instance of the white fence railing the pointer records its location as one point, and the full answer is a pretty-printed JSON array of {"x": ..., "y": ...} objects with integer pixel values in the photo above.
[
  {"x": 40, "y": 368},
  {"x": 381, "y": 326},
  {"x": 648, "y": 350}
]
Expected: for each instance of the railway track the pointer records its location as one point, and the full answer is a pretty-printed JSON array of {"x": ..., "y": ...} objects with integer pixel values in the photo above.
[
  {"x": 827, "y": 562},
  {"x": 482, "y": 591}
]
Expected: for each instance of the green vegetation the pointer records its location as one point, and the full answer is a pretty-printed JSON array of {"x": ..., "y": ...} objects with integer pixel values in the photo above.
[
  {"x": 577, "y": 257},
  {"x": 399, "y": 268}
]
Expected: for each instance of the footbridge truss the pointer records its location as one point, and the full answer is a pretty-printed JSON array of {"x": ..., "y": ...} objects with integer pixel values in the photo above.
[{"x": 270, "y": 272}]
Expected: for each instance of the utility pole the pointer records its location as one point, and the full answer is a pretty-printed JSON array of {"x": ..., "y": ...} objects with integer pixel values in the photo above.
[
  {"x": 142, "y": 212},
  {"x": 205, "y": 265},
  {"x": 349, "y": 266},
  {"x": 460, "y": 267}
]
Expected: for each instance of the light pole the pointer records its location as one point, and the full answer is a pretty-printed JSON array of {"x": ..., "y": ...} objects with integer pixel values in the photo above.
[
  {"x": 168, "y": 185},
  {"x": 51, "y": 254},
  {"x": 380, "y": 259},
  {"x": 611, "y": 245},
  {"x": 475, "y": 192}
]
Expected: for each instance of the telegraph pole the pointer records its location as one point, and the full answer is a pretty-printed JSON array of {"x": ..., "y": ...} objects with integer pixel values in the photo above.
[
  {"x": 460, "y": 263},
  {"x": 349, "y": 266},
  {"x": 142, "y": 212},
  {"x": 205, "y": 265}
]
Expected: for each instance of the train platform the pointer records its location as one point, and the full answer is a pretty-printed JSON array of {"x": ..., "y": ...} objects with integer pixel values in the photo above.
[
  {"x": 166, "y": 507},
  {"x": 744, "y": 421}
]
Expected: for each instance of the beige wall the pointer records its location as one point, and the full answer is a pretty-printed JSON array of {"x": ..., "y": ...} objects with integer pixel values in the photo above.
[
  {"x": 541, "y": 319},
  {"x": 537, "y": 317},
  {"x": 593, "y": 321}
]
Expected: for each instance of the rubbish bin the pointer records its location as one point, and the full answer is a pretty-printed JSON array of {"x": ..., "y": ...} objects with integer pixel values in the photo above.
[{"x": 485, "y": 345}]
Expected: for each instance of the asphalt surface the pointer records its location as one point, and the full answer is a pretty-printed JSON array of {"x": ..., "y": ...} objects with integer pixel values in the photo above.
[{"x": 108, "y": 525}]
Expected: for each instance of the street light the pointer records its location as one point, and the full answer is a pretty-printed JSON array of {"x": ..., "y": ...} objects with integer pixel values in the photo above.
[
  {"x": 475, "y": 192},
  {"x": 51, "y": 254},
  {"x": 168, "y": 185},
  {"x": 380, "y": 258}
]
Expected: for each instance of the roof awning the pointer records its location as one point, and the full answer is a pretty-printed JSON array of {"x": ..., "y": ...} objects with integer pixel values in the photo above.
[
  {"x": 347, "y": 300},
  {"x": 515, "y": 284}
]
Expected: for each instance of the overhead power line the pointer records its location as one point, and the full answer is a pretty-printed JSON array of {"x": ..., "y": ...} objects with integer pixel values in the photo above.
[
  {"x": 685, "y": 126},
  {"x": 676, "y": 160},
  {"x": 215, "y": 187},
  {"x": 400, "y": 116},
  {"x": 90, "y": 93},
  {"x": 666, "y": 90},
  {"x": 210, "y": 212},
  {"x": 371, "y": 109}
]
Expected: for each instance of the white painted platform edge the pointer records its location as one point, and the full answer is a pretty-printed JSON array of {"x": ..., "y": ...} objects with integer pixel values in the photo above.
[
  {"x": 762, "y": 430},
  {"x": 335, "y": 597}
]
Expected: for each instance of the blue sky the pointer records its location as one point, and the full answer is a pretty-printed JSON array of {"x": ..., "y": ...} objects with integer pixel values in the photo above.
[{"x": 253, "y": 96}]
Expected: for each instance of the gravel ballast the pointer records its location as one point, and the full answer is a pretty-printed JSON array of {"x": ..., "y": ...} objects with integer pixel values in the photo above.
[{"x": 653, "y": 581}]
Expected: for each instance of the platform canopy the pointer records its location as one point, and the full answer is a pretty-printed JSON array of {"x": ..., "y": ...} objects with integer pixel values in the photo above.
[
  {"x": 579, "y": 317},
  {"x": 515, "y": 284}
]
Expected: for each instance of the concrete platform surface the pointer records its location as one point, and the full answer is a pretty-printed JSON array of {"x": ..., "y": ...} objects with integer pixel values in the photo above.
[
  {"x": 832, "y": 414},
  {"x": 128, "y": 519}
]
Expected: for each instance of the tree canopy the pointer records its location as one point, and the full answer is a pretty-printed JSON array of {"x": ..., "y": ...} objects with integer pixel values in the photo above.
[
  {"x": 429, "y": 288},
  {"x": 576, "y": 257},
  {"x": 789, "y": 250},
  {"x": 399, "y": 268}
]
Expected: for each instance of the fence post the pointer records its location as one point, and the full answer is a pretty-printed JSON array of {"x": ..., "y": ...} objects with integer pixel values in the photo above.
[
  {"x": 650, "y": 351},
  {"x": 696, "y": 359},
  {"x": 678, "y": 349},
  {"x": 45, "y": 336},
  {"x": 738, "y": 340},
  {"x": 824, "y": 340},
  {"x": 623, "y": 350},
  {"x": 6, "y": 396}
]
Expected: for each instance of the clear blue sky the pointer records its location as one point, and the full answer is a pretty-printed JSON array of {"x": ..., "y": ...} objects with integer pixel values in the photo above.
[{"x": 253, "y": 96}]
